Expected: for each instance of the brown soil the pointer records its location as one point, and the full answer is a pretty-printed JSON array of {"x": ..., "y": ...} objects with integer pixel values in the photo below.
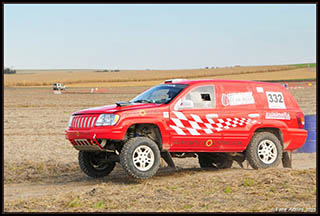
[{"x": 41, "y": 171}]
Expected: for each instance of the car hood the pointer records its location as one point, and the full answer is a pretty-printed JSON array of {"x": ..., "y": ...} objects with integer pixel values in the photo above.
[{"x": 114, "y": 108}]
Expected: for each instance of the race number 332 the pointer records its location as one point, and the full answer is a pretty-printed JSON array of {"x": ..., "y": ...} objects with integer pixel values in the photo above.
[{"x": 275, "y": 100}]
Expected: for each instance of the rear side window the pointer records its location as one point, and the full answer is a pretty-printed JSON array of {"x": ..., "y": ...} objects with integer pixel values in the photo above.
[{"x": 202, "y": 97}]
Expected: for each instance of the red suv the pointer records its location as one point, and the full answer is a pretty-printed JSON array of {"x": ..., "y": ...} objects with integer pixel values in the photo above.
[{"x": 218, "y": 121}]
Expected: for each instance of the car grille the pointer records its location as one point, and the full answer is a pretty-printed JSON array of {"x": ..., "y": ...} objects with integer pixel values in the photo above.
[{"x": 83, "y": 121}]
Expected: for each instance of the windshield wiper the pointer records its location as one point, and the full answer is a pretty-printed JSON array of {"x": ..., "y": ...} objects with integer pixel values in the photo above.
[{"x": 142, "y": 101}]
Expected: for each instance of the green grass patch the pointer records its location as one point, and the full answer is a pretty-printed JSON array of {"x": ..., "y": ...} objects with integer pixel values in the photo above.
[
  {"x": 172, "y": 188},
  {"x": 247, "y": 182},
  {"x": 73, "y": 203},
  {"x": 187, "y": 206},
  {"x": 305, "y": 65},
  {"x": 227, "y": 190},
  {"x": 99, "y": 204},
  {"x": 273, "y": 189}
]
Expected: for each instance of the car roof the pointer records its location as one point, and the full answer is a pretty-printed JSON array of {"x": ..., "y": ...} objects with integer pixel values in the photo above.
[{"x": 193, "y": 82}]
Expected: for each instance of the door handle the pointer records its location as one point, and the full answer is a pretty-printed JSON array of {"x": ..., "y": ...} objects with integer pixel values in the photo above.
[
  {"x": 212, "y": 116},
  {"x": 254, "y": 115}
]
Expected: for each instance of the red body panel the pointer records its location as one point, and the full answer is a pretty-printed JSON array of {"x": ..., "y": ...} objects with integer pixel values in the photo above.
[{"x": 241, "y": 108}]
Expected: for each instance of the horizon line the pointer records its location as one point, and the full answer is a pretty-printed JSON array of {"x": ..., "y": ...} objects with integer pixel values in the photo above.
[{"x": 206, "y": 67}]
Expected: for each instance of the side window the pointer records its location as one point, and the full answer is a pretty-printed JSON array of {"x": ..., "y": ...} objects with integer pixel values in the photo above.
[{"x": 202, "y": 97}]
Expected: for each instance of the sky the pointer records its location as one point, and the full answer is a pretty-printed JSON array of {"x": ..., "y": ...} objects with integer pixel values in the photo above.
[{"x": 157, "y": 36}]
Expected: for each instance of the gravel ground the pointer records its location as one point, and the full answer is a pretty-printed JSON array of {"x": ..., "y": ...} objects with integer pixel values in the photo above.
[{"x": 39, "y": 162}]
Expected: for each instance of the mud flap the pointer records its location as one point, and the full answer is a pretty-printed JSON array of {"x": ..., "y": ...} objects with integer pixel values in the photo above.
[
  {"x": 287, "y": 160},
  {"x": 168, "y": 159}
]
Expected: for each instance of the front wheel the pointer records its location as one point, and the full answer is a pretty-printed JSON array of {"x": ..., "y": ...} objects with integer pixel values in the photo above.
[
  {"x": 95, "y": 164},
  {"x": 264, "y": 150},
  {"x": 140, "y": 157}
]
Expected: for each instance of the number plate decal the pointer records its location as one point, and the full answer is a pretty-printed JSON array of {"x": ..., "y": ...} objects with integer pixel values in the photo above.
[{"x": 275, "y": 100}]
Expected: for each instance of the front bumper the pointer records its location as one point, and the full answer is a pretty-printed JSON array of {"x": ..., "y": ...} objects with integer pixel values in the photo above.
[{"x": 87, "y": 140}]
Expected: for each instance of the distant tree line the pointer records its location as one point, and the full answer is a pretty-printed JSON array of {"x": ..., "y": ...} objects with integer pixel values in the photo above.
[
  {"x": 9, "y": 71},
  {"x": 116, "y": 70}
]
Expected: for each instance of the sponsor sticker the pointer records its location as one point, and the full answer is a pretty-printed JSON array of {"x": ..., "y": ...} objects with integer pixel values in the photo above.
[
  {"x": 165, "y": 114},
  {"x": 209, "y": 143},
  {"x": 275, "y": 100},
  {"x": 260, "y": 89},
  {"x": 142, "y": 112},
  {"x": 237, "y": 98},
  {"x": 278, "y": 115}
]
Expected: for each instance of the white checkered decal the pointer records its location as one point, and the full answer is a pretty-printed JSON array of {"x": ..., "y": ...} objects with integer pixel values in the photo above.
[{"x": 194, "y": 125}]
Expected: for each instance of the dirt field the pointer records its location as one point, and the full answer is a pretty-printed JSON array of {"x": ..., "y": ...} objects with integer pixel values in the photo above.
[
  {"x": 41, "y": 172},
  {"x": 87, "y": 78}
]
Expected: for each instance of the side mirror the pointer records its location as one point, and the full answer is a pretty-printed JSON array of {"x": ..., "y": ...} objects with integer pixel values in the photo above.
[{"x": 185, "y": 104}]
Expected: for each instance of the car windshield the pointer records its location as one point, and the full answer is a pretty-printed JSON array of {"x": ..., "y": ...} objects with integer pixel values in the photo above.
[{"x": 160, "y": 94}]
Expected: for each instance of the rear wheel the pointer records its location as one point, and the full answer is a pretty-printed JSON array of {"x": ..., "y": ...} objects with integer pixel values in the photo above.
[
  {"x": 214, "y": 160},
  {"x": 95, "y": 164},
  {"x": 264, "y": 150}
]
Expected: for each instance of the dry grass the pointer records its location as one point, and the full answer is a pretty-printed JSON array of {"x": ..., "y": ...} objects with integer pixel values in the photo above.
[
  {"x": 30, "y": 171},
  {"x": 41, "y": 172},
  {"x": 82, "y": 78},
  {"x": 192, "y": 190}
]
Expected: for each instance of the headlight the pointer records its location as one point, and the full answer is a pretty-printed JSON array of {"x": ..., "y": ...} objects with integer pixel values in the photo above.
[
  {"x": 70, "y": 121},
  {"x": 107, "y": 119}
]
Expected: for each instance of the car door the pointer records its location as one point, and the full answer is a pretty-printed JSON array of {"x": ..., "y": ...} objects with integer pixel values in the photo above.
[
  {"x": 192, "y": 121},
  {"x": 239, "y": 113}
]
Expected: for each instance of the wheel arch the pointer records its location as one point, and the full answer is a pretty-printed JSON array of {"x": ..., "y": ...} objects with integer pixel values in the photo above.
[
  {"x": 276, "y": 131},
  {"x": 141, "y": 129}
]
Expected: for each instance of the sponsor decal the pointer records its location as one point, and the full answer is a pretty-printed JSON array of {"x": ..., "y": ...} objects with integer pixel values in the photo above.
[
  {"x": 142, "y": 112},
  {"x": 209, "y": 143},
  {"x": 225, "y": 100},
  {"x": 228, "y": 142},
  {"x": 78, "y": 133},
  {"x": 260, "y": 89},
  {"x": 188, "y": 142},
  {"x": 275, "y": 100},
  {"x": 237, "y": 98},
  {"x": 165, "y": 114},
  {"x": 192, "y": 124},
  {"x": 278, "y": 115}
]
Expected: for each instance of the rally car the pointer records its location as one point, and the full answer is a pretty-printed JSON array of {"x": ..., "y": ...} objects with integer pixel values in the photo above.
[{"x": 217, "y": 121}]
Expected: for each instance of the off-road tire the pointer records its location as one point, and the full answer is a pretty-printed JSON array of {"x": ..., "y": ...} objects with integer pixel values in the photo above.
[
  {"x": 86, "y": 165},
  {"x": 214, "y": 161},
  {"x": 126, "y": 157},
  {"x": 252, "y": 150}
]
